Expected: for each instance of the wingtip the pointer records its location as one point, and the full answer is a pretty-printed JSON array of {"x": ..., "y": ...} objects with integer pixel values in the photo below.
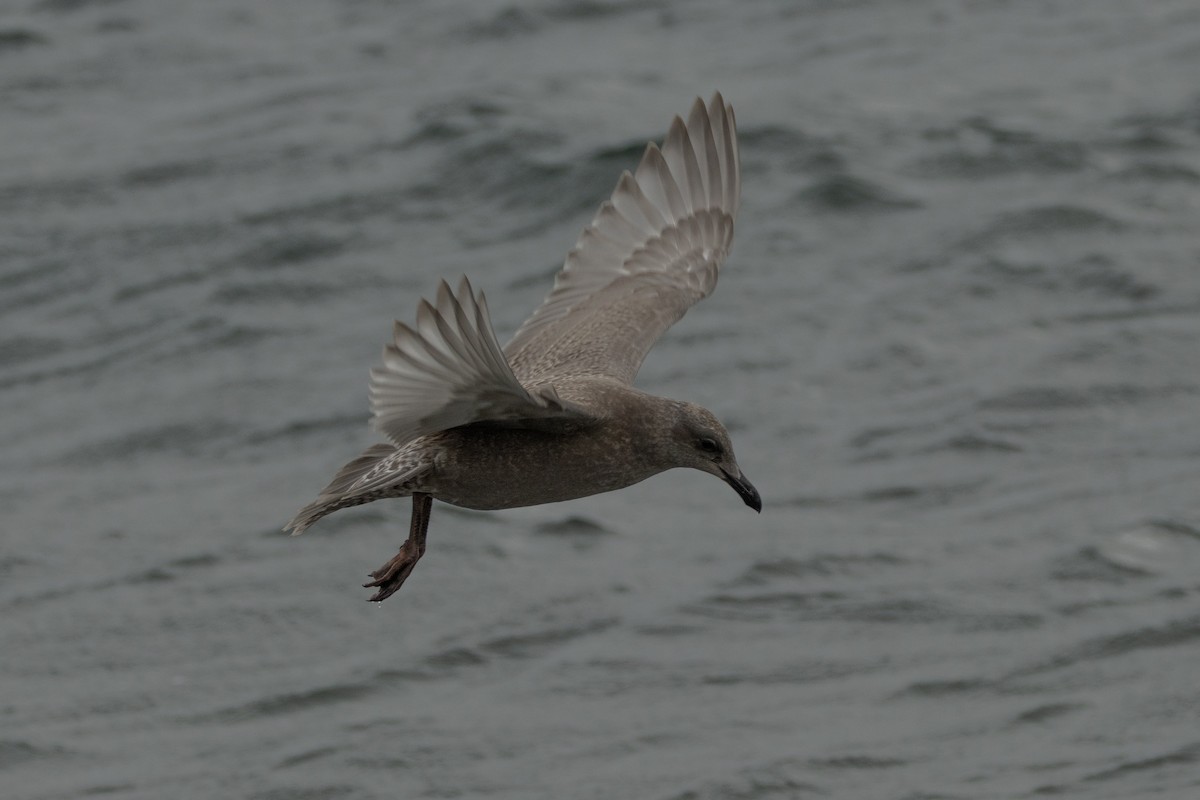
[
  {"x": 449, "y": 352},
  {"x": 690, "y": 183},
  {"x": 445, "y": 296}
]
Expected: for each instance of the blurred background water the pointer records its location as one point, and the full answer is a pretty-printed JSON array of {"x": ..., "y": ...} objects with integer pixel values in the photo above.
[{"x": 956, "y": 343}]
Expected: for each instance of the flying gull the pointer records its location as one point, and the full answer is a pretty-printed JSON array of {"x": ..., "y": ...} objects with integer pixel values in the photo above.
[{"x": 554, "y": 415}]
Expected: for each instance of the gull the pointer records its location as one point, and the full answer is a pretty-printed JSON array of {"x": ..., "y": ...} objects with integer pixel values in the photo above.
[{"x": 554, "y": 415}]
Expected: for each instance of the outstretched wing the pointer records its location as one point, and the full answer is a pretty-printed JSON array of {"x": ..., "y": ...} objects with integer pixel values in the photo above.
[
  {"x": 450, "y": 371},
  {"x": 651, "y": 252}
]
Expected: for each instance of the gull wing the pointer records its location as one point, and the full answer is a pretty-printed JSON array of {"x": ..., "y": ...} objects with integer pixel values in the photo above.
[
  {"x": 449, "y": 371},
  {"x": 651, "y": 252}
]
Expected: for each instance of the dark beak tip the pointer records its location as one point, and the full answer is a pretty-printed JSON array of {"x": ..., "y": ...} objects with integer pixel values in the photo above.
[{"x": 746, "y": 491}]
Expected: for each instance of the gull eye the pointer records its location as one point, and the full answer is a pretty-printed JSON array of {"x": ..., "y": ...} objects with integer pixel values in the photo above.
[{"x": 709, "y": 446}]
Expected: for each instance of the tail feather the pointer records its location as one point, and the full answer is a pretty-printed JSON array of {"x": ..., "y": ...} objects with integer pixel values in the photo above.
[
  {"x": 324, "y": 504},
  {"x": 350, "y": 474},
  {"x": 343, "y": 491}
]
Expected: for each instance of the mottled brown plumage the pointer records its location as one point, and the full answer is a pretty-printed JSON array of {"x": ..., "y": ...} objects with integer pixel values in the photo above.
[{"x": 554, "y": 416}]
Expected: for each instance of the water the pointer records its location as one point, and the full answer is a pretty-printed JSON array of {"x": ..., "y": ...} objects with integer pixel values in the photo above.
[{"x": 956, "y": 344}]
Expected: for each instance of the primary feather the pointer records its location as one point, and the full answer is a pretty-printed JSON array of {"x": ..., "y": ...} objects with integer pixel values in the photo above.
[{"x": 651, "y": 252}]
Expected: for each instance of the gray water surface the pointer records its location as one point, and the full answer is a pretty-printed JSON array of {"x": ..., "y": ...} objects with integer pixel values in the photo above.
[{"x": 957, "y": 344}]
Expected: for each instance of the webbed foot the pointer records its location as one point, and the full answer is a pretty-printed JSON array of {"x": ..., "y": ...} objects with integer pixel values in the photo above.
[{"x": 392, "y": 575}]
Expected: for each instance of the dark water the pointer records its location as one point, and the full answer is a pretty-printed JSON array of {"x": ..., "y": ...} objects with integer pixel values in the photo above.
[{"x": 958, "y": 344}]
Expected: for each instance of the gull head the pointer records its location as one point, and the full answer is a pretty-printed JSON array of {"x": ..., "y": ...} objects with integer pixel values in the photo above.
[{"x": 698, "y": 440}]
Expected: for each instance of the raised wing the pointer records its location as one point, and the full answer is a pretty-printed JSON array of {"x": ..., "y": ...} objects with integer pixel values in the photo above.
[
  {"x": 651, "y": 252},
  {"x": 449, "y": 371}
]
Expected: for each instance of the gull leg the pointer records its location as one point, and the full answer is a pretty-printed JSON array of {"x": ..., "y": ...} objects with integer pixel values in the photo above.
[{"x": 391, "y": 576}]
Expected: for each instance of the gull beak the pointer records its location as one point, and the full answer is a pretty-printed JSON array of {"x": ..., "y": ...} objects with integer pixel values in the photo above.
[{"x": 745, "y": 490}]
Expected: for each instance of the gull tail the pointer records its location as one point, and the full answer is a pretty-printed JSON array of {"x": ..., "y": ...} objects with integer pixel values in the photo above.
[{"x": 364, "y": 479}]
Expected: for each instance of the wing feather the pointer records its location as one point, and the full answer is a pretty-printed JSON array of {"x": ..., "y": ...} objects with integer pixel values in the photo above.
[
  {"x": 449, "y": 371},
  {"x": 651, "y": 252}
]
